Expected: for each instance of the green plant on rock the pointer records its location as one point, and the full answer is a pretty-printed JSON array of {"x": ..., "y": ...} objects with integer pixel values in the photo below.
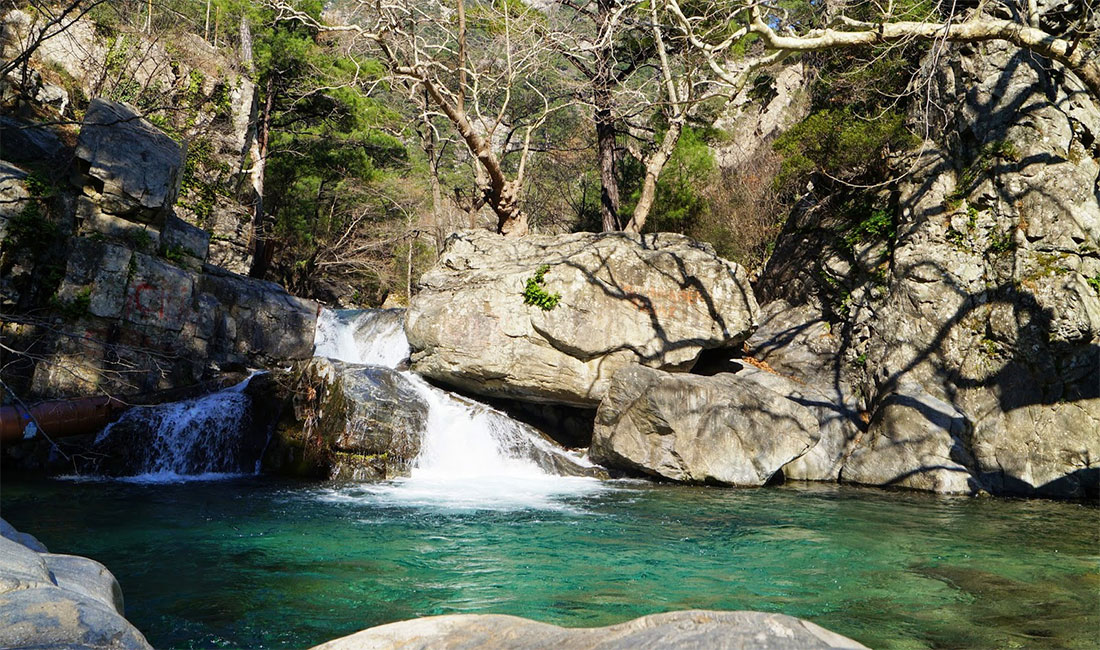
[
  {"x": 1094, "y": 282},
  {"x": 139, "y": 239},
  {"x": 77, "y": 307},
  {"x": 535, "y": 294},
  {"x": 1001, "y": 241},
  {"x": 175, "y": 254}
]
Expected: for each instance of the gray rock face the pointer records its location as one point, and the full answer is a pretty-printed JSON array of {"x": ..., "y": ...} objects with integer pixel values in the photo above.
[
  {"x": 185, "y": 244},
  {"x": 142, "y": 303},
  {"x": 987, "y": 306},
  {"x": 811, "y": 370},
  {"x": 87, "y": 577},
  {"x": 59, "y": 601},
  {"x": 686, "y": 629},
  {"x": 657, "y": 300},
  {"x": 25, "y": 142},
  {"x": 729, "y": 429},
  {"x": 49, "y": 617},
  {"x": 130, "y": 167},
  {"x": 915, "y": 441},
  {"x": 372, "y": 420}
]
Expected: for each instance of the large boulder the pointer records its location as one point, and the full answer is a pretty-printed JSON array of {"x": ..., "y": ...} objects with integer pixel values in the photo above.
[
  {"x": 371, "y": 420},
  {"x": 656, "y": 300},
  {"x": 684, "y": 629},
  {"x": 51, "y": 617},
  {"x": 728, "y": 429},
  {"x": 58, "y": 601},
  {"x": 128, "y": 167},
  {"x": 915, "y": 441}
]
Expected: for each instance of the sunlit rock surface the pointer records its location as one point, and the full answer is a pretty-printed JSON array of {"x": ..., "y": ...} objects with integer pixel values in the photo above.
[
  {"x": 655, "y": 300},
  {"x": 687, "y": 629}
]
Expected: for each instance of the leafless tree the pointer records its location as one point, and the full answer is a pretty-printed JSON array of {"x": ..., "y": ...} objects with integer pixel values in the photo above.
[
  {"x": 773, "y": 25},
  {"x": 483, "y": 89}
]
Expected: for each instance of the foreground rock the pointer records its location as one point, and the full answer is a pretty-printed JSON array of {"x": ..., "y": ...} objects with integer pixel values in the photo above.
[
  {"x": 729, "y": 429},
  {"x": 655, "y": 300},
  {"x": 59, "y": 601},
  {"x": 687, "y": 629}
]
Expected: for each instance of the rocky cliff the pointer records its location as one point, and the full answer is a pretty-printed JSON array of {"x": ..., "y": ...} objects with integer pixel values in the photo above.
[
  {"x": 123, "y": 242},
  {"x": 970, "y": 336}
]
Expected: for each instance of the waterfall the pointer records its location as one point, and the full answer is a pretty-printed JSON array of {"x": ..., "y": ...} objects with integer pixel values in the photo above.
[
  {"x": 374, "y": 337},
  {"x": 471, "y": 455},
  {"x": 202, "y": 438}
]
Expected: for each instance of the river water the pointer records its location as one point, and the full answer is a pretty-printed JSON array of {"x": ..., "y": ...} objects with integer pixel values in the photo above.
[{"x": 254, "y": 562}]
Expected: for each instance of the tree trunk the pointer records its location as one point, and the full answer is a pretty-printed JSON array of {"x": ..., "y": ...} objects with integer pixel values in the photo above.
[
  {"x": 653, "y": 167},
  {"x": 262, "y": 249},
  {"x": 605, "y": 124}
]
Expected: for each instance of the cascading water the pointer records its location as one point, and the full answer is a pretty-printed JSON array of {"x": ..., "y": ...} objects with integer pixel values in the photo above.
[
  {"x": 202, "y": 438},
  {"x": 375, "y": 337},
  {"x": 470, "y": 454}
]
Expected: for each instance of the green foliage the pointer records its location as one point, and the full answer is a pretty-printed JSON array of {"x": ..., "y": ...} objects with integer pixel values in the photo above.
[
  {"x": 139, "y": 239},
  {"x": 535, "y": 294},
  {"x": 175, "y": 254},
  {"x": 30, "y": 230},
  {"x": 878, "y": 224},
  {"x": 840, "y": 144},
  {"x": 75, "y": 308},
  {"x": 1094, "y": 282},
  {"x": 1001, "y": 241}
]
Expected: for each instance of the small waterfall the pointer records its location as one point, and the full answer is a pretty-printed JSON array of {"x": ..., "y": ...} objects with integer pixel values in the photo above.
[
  {"x": 471, "y": 455},
  {"x": 374, "y": 337},
  {"x": 206, "y": 437}
]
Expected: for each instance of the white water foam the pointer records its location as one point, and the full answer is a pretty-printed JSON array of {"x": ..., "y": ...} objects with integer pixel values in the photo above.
[
  {"x": 374, "y": 337},
  {"x": 471, "y": 455}
]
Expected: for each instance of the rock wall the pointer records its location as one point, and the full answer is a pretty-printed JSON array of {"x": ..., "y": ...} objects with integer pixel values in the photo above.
[
  {"x": 972, "y": 338},
  {"x": 137, "y": 306}
]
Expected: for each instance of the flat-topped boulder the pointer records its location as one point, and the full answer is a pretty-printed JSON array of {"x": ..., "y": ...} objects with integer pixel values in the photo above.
[
  {"x": 654, "y": 300},
  {"x": 686, "y": 629}
]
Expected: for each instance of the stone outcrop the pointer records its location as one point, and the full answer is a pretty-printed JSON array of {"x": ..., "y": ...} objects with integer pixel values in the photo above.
[
  {"x": 127, "y": 166},
  {"x": 729, "y": 429},
  {"x": 684, "y": 629},
  {"x": 140, "y": 309},
  {"x": 987, "y": 298},
  {"x": 915, "y": 441},
  {"x": 59, "y": 601},
  {"x": 655, "y": 300},
  {"x": 360, "y": 423}
]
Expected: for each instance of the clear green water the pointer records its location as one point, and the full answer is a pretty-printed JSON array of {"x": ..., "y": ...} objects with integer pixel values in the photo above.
[{"x": 257, "y": 563}]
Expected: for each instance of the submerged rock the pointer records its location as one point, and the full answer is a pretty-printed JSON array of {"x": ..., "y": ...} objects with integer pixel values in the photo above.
[
  {"x": 656, "y": 300},
  {"x": 729, "y": 429},
  {"x": 685, "y": 629}
]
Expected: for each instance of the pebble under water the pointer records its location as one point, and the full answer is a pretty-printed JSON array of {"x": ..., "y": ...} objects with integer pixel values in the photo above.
[{"x": 255, "y": 562}]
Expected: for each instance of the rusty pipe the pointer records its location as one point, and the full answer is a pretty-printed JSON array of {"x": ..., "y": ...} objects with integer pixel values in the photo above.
[{"x": 57, "y": 418}]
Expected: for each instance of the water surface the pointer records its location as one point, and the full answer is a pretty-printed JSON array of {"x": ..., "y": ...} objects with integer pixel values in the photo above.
[{"x": 261, "y": 563}]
